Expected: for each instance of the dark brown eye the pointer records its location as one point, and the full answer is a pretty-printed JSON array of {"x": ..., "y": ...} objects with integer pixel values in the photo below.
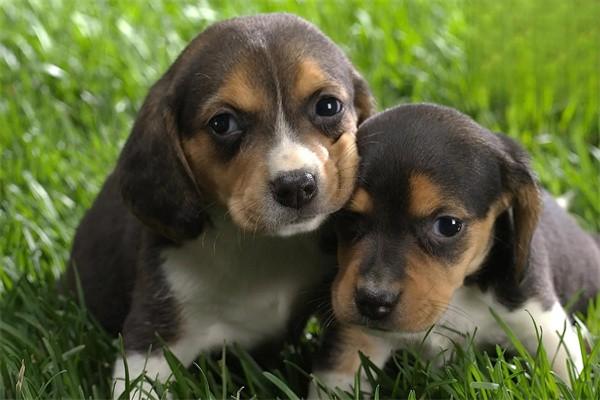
[
  {"x": 224, "y": 124},
  {"x": 328, "y": 106},
  {"x": 447, "y": 226}
]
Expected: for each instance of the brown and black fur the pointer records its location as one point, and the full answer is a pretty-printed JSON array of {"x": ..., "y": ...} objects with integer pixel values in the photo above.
[
  {"x": 517, "y": 251},
  {"x": 175, "y": 175}
]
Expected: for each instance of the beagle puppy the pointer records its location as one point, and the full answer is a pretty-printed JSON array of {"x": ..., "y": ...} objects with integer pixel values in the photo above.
[
  {"x": 248, "y": 139},
  {"x": 446, "y": 223}
]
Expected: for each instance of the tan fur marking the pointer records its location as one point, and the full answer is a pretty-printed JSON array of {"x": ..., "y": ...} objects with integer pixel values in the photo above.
[
  {"x": 430, "y": 284},
  {"x": 240, "y": 91},
  {"x": 200, "y": 153},
  {"x": 361, "y": 202},
  {"x": 425, "y": 196},
  {"x": 339, "y": 163},
  {"x": 526, "y": 209},
  {"x": 342, "y": 295},
  {"x": 239, "y": 184},
  {"x": 309, "y": 78}
]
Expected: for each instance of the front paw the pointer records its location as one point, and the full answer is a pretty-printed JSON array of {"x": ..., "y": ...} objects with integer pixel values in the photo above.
[{"x": 139, "y": 367}]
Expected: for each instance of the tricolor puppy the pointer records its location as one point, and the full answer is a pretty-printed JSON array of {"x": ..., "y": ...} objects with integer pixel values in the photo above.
[
  {"x": 447, "y": 221},
  {"x": 247, "y": 139}
]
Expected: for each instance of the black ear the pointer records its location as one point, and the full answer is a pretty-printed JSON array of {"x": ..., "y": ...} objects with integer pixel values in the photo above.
[
  {"x": 521, "y": 185},
  {"x": 155, "y": 179},
  {"x": 364, "y": 104}
]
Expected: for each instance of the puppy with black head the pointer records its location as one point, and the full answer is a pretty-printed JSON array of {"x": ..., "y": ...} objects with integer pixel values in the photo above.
[
  {"x": 247, "y": 139},
  {"x": 447, "y": 221}
]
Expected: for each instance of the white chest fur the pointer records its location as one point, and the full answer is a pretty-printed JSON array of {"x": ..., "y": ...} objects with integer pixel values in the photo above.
[
  {"x": 470, "y": 311},
  {"x": 230, "y": 287},
  {"x": 236, "y": 287},
  {"x": 469, "y": 317}
]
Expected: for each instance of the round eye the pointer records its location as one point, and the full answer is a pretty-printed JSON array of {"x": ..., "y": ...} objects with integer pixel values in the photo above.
[
  {"x": 224, "y": 124},
  {"x": 447, "y": 226},
  {"x": 328, "y": 106}
]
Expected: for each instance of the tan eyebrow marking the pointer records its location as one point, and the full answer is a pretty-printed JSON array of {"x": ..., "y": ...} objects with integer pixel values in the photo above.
[
  {"x": 425, "y": 195},
  {"x": 240, "y": 91},
  {"x": 309, "y": 78}
]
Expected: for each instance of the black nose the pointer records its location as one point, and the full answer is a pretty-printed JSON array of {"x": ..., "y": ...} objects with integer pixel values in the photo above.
[
  {"x": 375, "y": 304},
  {"x": 294, "y": 189}
]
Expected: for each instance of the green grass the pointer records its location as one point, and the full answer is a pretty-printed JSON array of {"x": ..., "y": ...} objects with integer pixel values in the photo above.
[{"x": 73, "y": 74}]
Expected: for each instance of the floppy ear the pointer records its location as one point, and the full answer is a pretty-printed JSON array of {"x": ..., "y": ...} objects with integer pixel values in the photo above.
[
  {"x": 364, "y": 104},
  {"x": 155, "y": 179},
  {"x": 520, "y": 182}
]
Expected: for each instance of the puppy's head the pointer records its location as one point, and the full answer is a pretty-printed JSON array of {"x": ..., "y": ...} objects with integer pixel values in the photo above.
[
  {"x": 258, "y": 115},
  {"x": 432, "y": 188}
]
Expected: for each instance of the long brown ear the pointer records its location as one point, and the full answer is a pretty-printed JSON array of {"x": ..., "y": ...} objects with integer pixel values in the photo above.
[
  {"x": 521, "y": 183},
  {"x": 154, "y": 176},
  {"x": 364, "y": 104}
]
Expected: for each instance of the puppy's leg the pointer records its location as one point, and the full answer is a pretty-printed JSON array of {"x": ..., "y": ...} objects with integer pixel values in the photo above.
[
  {"x": 559, "y": 337},
  {"x": 155, "y": 314},
  {"x": 153, "y": 365},
  {"x": 186, "y": 348},
  {"x": 340, "y": 359}
]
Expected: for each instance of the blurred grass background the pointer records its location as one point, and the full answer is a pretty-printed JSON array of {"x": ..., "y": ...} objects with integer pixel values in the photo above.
[{"x": 73, "y": 74}]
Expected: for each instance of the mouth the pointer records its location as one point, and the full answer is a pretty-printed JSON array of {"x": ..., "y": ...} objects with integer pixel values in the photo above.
[
  {"x": 300, "y": 224},
  {"x": 377, "y": 330},
  {"x": 372, "y": 325},
  {"x": 302, "y": 218},
  {"x": 388, "y": 331}
]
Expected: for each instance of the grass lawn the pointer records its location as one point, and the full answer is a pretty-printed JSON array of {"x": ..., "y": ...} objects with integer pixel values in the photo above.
[{"x": 73, "y": 73}]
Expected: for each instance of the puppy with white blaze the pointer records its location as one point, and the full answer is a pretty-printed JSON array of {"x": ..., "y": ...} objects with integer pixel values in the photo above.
[
  {"x": 446, "y": 224},
  {"x": 204, "y": 233}
]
